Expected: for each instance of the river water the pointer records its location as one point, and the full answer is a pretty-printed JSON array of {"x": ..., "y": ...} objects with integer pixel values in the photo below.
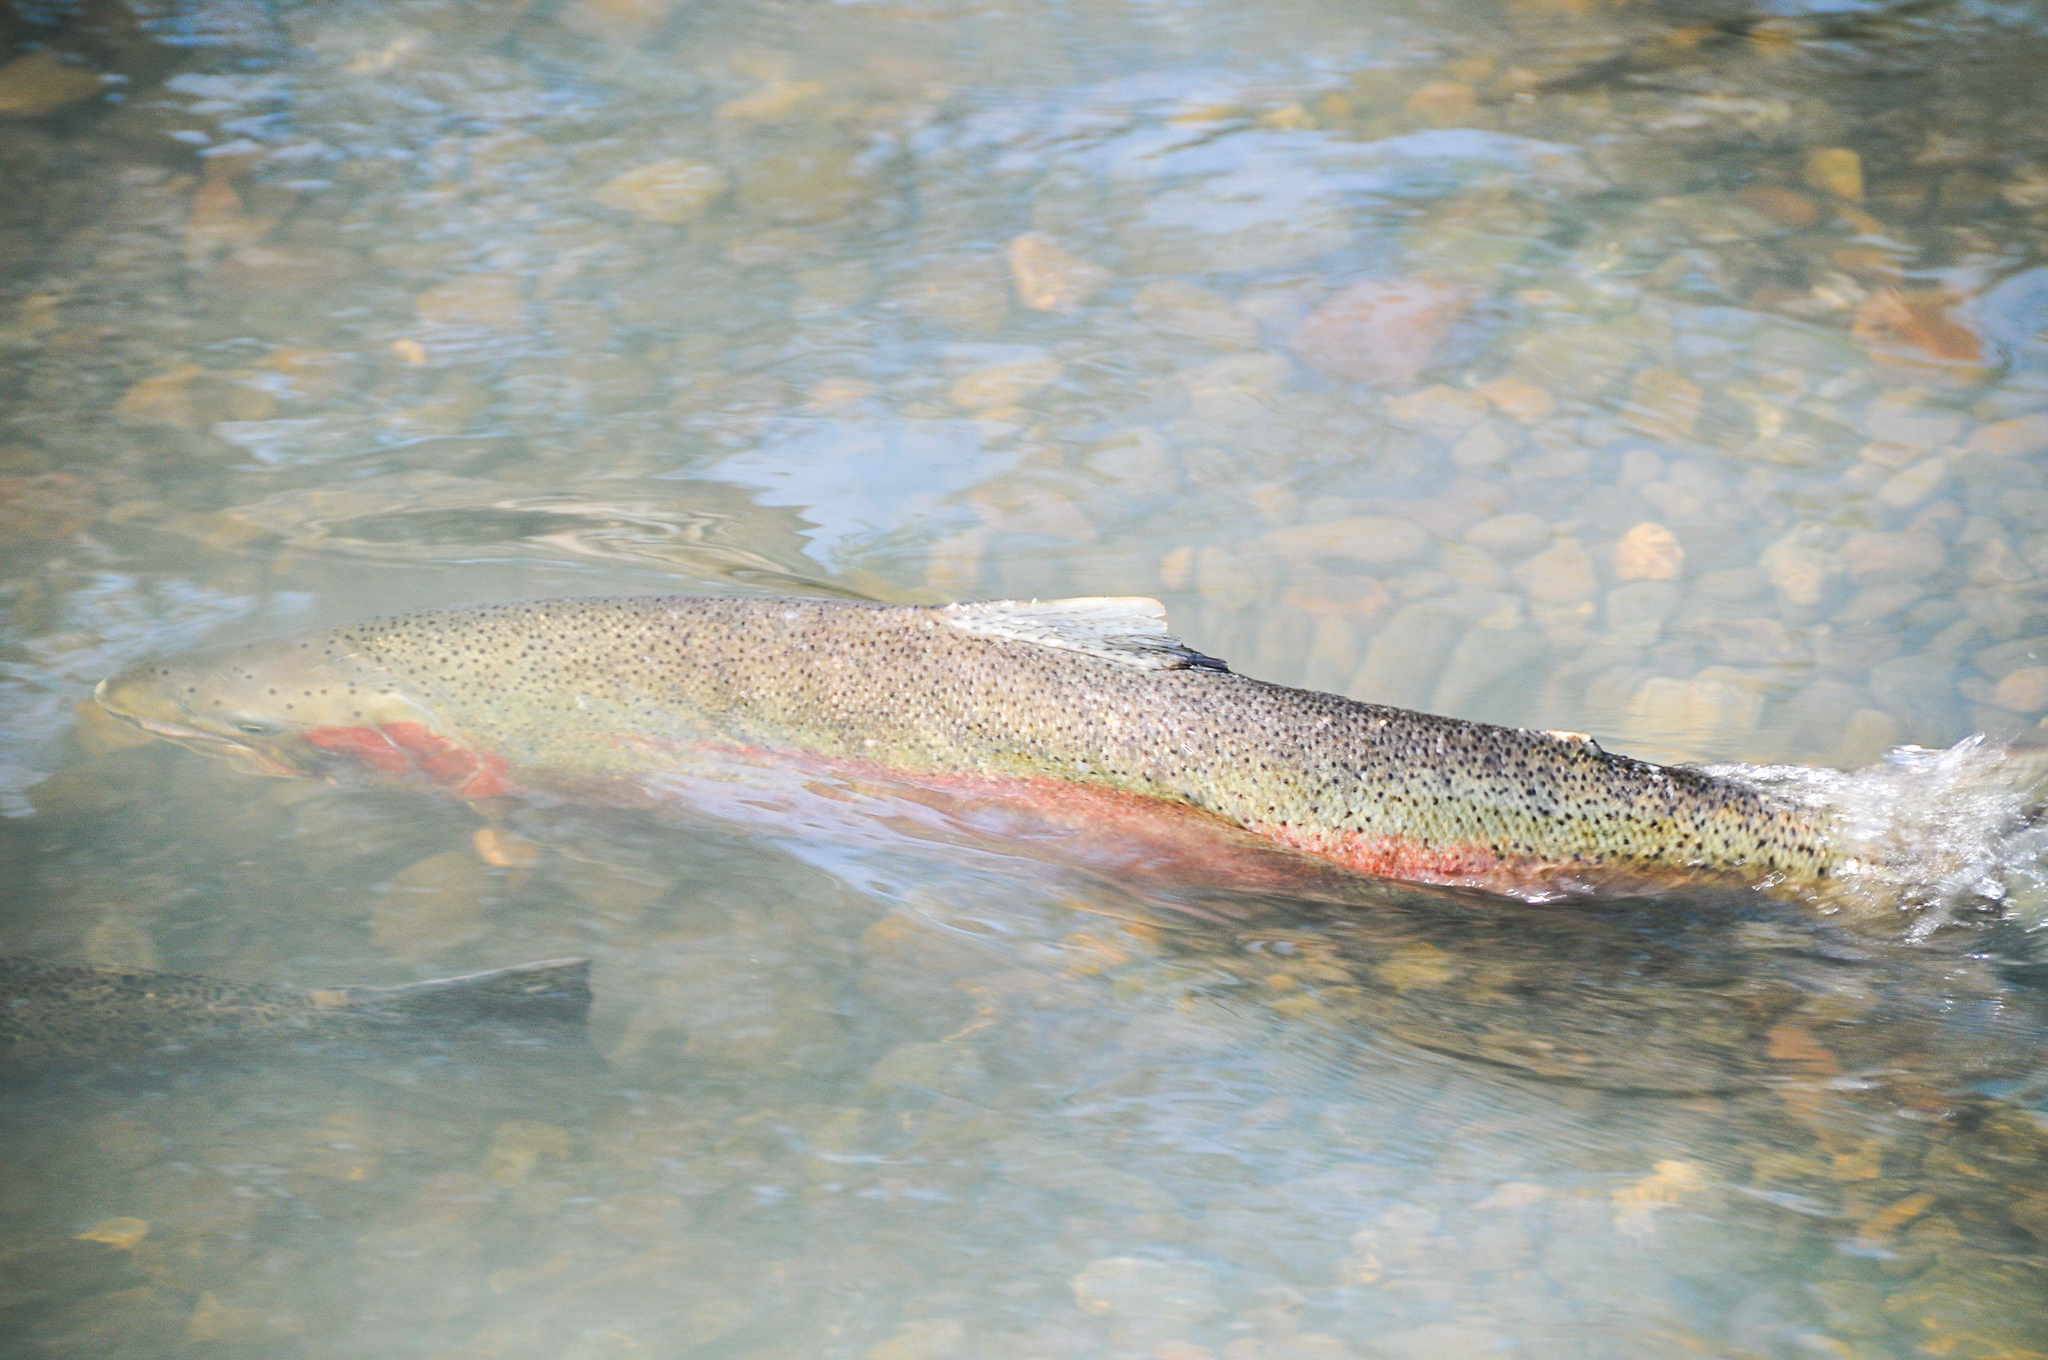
[{"x": 1672, "y": 372}]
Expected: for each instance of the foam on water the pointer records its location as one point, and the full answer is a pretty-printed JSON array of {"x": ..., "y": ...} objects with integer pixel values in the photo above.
[{"x": 1938, "y": 835}]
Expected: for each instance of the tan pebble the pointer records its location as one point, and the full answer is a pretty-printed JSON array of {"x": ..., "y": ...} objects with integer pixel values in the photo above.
[
  {"x": 1689, "y": 714},
  {"x": 1636, "y": 612},
  {"x": 2002, "y": 659},
  {"x": 122, "y": 942},
  {"x": 804, "y": 182},
  {"x": 1835, "y": 170},
  {"x": 1874, "y": 555},
  {"x": 505, "y": 849},
  {"x": 1444, "y": 103},
  {"x": 42, "y": 81},
  {"x": 1376, "y": 540},
  {"x": 518, "y": 1146},
  {"x": 834, "y": 394},
  {"x": 1382, "y": 332},
  {"x": 1870, "y": 732},
  {"x": 484, "y": 301},
  {"x": 1921, "y": 331},
  {"x": 118, "y": 1233},
  {"x": 938, "y": 1066},
  {"x": 1664, "y": 404},
  {"x": 953, "y": 563},
  {"x": 1176, "y": 569},
  {"x": 1667, "y": 1184},
  {"x": 1795, "y": 1044},
  {"x": 2019, "y": 437},
  {"x": 1287, "y": 118},
  {"x": 1515, "y": 1195},
  {"x": 1562, "y": 460},
  {"x": 1563, "y": 573},
  {"x": 2023, "y": 691},
  {"x": 165, "y": 399},
  {"x": 1800, "y": 572},
  {"x": 1518, "y": 400},
  {"x": 1050, "y": 278},
  {"x": 1133, "y": 1287},
  {"x": 1906, "y": 419},
  {"x": 1485, "y": 447},
  {"x": 1891, "y": 457},
  {"x": 2030, "y": 1213},
  {"x": 1417, "y": 965},
  {"x": 1192, "y": 312},
  {"x": 1137, "y": 457},
  {"x": 1004, "y": 384},
  {"x": 49, "y": 506},
  {"x": 218, "y": 221},
  {"x": 1649, "y": 552},
  {"x": 773, "y": 102},
  {"x": 1236, "y": 387},
  {"x": 1514, "y": 534},
  {"x": 1909, "y": 486},
  {"x": 668, "y": 191},
  {"x": 1885, "y": 1224},
  {"x": 430, "y": 906},
  {"x": 213, "y": 1323},
  {"x": 1996, "y": 564},
  {"x": 1471, "y": 566},
  {"x": 776, "y": 246},
  {"x": 1013, "y": 508},
  {"x": 1786, "y": 207},
  {"x": 1225, "y": 579},
  {"x": 921, "y": 1339},
  {"x": 1440, "y": 408}
]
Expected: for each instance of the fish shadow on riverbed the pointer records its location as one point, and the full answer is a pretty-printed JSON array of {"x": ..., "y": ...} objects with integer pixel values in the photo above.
[
  {"x": 514, "y": 1034},
  {"x": 1706, "y": 992}
]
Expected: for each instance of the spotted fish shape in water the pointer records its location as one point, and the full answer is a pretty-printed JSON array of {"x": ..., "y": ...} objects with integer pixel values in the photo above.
[
  {"x": 1085, "y": 705},
  {"x": 57, "y": 1013}
]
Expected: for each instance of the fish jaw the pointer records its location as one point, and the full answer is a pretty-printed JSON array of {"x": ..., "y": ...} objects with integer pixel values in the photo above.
[
  {"x": 401, "y": 750},
  {"x": 140, "y": 697},
  {"x": 290, "y": 708}
]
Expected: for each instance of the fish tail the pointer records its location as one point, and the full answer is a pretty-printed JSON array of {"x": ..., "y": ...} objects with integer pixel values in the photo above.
[{"x": 553, "y": 991}]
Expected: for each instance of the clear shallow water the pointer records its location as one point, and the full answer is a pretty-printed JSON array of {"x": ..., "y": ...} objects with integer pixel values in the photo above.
[{"x": 1541, "y": 363}]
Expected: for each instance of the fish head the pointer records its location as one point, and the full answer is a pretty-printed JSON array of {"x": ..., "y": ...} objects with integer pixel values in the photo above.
[{"x": 310, "y": 705}]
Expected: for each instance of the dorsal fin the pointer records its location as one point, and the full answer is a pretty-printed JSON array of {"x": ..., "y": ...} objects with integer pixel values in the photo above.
[{"x": 1130, "y": 630}]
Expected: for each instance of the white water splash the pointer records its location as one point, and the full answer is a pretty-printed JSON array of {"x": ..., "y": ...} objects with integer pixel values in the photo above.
[{"x": 1936, "y": 835}]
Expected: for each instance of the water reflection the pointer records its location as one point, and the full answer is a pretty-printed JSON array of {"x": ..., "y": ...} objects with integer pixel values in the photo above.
[{"x": 1674, "y": 374}]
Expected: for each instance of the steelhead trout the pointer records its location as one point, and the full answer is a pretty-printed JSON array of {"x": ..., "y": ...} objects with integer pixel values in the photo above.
[
  {"x": 1085, "y": 704},
  {"x": 60, "y": 1012}
]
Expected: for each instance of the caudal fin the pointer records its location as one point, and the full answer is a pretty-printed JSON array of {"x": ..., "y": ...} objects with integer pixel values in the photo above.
[
  {"x": 1934, "y": 833},
  {"x": 554, "y": 991}
]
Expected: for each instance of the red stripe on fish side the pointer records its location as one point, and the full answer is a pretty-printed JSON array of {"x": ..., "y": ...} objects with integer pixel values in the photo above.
[
  {"x": 1134, "y": 830},
  {"x": 1402, "y": 857},
  {"x": 366, "y": 744},
  {"x": 402, "y": 747}
]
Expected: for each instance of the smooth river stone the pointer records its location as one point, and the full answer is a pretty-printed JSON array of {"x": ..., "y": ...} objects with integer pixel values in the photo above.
[{"x": 1381, "y": 332}]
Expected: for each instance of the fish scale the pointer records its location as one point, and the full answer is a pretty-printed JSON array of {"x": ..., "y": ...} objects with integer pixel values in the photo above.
[{"x": 1055, "y": 694}]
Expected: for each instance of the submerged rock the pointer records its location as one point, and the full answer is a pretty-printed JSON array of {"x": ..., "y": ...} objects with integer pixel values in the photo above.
[{"x": 1381, "y": 332}]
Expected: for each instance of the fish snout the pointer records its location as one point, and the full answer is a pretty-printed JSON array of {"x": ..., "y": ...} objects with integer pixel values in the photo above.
[
  {"x": 140, "y": 696},
  {"x": 153, "y": 698}
]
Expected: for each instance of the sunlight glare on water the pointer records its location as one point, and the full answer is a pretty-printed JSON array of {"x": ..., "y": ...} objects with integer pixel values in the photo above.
[{"x": 1674, "y": 372}]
